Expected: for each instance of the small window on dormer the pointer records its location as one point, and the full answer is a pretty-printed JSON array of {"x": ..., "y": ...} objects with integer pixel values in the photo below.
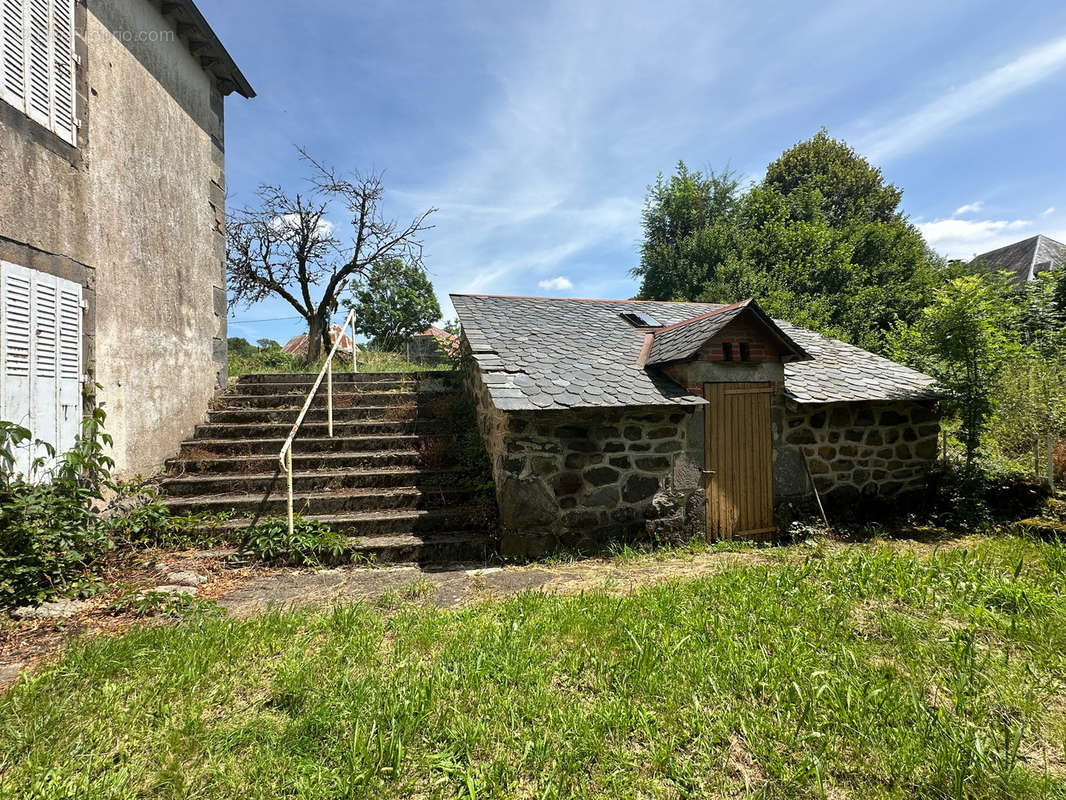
[
  {"x": 745, "y": 352},
  {"x": 727, "y": 351}
]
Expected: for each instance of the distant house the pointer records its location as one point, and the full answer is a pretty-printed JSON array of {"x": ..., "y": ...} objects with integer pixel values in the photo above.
[
  {"x": 606, "y": 417},
  {"x": 297, "y": 345},
  {"x": 1026, "y": 259},
  {"x": 112, "y": 243}
]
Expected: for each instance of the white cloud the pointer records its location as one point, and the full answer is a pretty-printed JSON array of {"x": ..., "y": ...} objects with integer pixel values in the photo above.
[
  {"x": 1048, "y": 211},
  {"x": 940, "y": 114},
  {"x": 291, "y": 221},
  {"x": 969, "y": 208},
  {"x": 964, "y": 238},
  {"x": 556, "y": 284}
]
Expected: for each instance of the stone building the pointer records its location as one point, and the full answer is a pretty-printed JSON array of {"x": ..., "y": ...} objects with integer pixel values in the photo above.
[
  {"x": 607, "y": 418},
  {"x": 112, "y": 241}
]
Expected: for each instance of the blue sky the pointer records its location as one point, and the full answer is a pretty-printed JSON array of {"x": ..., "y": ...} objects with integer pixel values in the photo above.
[{"x": 534, "y": 128}]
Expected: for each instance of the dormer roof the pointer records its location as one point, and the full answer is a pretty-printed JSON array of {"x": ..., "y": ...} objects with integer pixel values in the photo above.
[{"x": 683, "y": 340}]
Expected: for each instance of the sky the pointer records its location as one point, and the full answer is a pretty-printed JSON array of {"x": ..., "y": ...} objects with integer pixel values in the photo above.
[{"x": 535, "y": 128}]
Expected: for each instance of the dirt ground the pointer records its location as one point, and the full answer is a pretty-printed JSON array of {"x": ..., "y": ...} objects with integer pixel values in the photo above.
[{"x": 242, "y": 589}]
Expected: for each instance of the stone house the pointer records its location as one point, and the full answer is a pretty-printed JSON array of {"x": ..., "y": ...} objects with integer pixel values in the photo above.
[
  {"x": 608, "y": 418},
  {"x": 112, "y": 241}
]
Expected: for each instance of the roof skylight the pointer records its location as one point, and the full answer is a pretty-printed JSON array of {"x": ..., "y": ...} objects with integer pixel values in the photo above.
[{"x": 638, "y": 319}]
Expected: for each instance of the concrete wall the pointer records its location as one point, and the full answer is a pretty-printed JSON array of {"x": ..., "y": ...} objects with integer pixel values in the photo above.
[{"x": 137, "y": 211}]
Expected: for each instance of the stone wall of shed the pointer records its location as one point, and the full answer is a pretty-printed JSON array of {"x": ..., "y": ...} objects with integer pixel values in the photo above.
[
  {"x": 858, "y": 450},
  {"x": 577, "y": 478}
]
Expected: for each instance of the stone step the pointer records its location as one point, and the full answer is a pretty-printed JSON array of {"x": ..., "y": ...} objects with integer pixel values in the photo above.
[
  {"x": 196, "y": 448},
  {"x": 362, "y": 524},
  {"x": 288, "y": 388},
  {"x": 313, "y": 430},
  {"x": 341, "y": 501},
  {"x": 268, "y": 463},
  {"x": 423, "y": 548},
  {"x": 287, "y": 416},
  {"x": 343, "y": 375},
  {"x": 312, "y": 481},
  {"x": 340, "y": 400}
]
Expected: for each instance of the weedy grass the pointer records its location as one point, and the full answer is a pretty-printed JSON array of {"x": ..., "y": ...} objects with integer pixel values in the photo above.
[{"x": 867, "y": 672}]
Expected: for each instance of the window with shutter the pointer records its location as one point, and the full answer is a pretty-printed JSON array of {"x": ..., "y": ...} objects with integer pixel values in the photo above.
[
  {"x": 37, "y": 62},
  {"x": 13, "y": 53},
  {"x": 40, "y": 356}
]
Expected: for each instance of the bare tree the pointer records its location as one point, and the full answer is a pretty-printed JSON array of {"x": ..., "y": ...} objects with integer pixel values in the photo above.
[{"x": 285, "y": 246}]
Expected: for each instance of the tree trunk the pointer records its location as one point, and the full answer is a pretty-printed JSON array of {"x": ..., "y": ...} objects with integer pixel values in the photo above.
[{"x": 317, "y": 337}]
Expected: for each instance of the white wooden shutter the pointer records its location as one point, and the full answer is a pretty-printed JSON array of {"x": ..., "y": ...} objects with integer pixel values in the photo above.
[
  {"x": 39, "y": 62},
  {"x": 37, "y": 59},
  {"x": 16, "y": 296},
  {"x": 44, "y": 390},
  {"x": 69, "y": 329},
  {"x": 13, "y": 53},
  {"x": 40, "y": 345},
  {"x": 63, "y": 70}
]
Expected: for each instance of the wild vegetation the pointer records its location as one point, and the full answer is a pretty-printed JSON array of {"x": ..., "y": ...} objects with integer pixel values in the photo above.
[
  {"x": 821, "y": 241},
  {"x": 243, "y": 361},
  {"x": 824, "y": 672}
]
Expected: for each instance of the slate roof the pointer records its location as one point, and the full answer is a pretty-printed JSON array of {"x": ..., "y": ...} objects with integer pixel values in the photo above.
[
  {"x": 682, "y": 339},
  {"x": 1027, "y": 258},
  {"x": 550, "y": 353}
]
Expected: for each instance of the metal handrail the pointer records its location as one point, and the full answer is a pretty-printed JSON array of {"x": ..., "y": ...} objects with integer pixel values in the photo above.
[{"x": 285, "y": 456}]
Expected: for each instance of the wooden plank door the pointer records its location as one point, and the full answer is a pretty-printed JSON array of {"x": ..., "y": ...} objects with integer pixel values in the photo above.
[{"x": 739, "y": 462}]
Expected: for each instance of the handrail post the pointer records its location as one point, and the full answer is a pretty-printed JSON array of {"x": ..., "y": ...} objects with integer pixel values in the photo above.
[
  {"x": 329, "y": 396},
  {"x": 354, "y": 370},
  {"x": 288, "y": 481}
]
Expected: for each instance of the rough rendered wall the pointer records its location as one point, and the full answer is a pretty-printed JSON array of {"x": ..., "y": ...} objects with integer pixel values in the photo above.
[{"x": 155, "y": 191}]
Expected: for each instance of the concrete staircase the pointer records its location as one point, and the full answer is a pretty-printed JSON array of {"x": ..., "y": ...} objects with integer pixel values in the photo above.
[{"x": 390, "y": 478}]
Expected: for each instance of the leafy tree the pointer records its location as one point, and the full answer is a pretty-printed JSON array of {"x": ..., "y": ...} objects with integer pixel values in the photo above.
[
  {"x": 689, "y": 230},
  {"x": 395, "y": 303},
  {"x": 287, "y": 247},
  {"x": 962, "y": 338},
  {"x": 267, "y": 344},
  {"x": 1058, "y": 292},
  {"x": 239, "y": 346},
  {"x": 820, "y": 241},
  {"x": 843, "y": 185}
]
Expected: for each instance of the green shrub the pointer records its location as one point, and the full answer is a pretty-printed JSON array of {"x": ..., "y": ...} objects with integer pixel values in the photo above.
[
  {"x": 310, "y": 544},
  {"x": 150, "y": 524},
  {"x": 50, "y": 533}
]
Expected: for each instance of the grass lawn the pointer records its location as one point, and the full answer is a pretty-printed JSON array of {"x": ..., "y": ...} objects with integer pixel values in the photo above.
[{"x": 865, "y": 671}]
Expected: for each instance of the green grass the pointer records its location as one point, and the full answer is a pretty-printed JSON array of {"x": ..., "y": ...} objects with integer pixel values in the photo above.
[
  {"x": 275, "y": 361},
  {"x": 857, "y": 672}
]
